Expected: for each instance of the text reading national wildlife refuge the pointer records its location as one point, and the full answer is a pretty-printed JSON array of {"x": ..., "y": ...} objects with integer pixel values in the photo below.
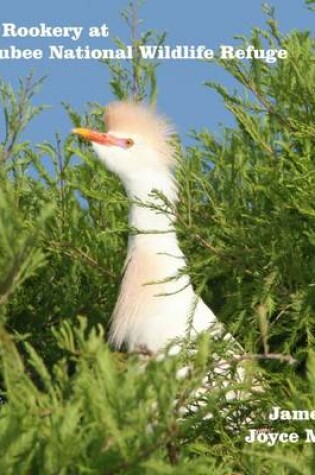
[{"x": 12, "y": 31}]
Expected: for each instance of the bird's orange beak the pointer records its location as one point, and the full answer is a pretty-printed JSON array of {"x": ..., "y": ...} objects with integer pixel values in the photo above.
[{"x": 98, "y": 137}]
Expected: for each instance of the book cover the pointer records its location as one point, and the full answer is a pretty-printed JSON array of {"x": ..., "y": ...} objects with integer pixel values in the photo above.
[{"x": 157, "y": 237}]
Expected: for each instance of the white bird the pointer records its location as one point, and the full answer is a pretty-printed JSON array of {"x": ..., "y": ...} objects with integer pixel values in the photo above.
[{"x": 157, "y": 302}]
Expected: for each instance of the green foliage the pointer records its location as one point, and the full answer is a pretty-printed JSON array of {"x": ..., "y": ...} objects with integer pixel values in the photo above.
[
  {"x": 257, "y": 190},
  {"x": 137, "y": 80},
  {"x": 310, "y": 4},
  {"x": 21, "y": 257},
  {"x": 102, "y": 418},
  {"x": 18, "y": 111},
  {"x": 246, "y": 223}
]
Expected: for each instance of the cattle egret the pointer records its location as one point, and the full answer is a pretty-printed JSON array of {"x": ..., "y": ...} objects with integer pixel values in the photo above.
[{"x": 156, "y": 302}]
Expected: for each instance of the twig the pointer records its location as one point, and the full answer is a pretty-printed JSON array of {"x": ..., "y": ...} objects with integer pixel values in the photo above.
[
  {"x": 270, "y": 356},
  {"x": 199, "y": 238},
  {"x": 172, "y": 452},
  {"x": 134, "y": 35},
  {"x": 269, "y": 106},
  {"x": 89, "y": 260},
  {"x": 60, "y": 159},
  {"x": 285, "y": 308},
  {"x": 25, "y": 95}
]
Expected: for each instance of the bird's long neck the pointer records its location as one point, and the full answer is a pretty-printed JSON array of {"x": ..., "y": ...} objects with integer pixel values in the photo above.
[{"x": 151, "y": 279}]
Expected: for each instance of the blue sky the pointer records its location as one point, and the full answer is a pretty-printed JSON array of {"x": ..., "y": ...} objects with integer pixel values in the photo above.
[{"x": 182, "y": 95}]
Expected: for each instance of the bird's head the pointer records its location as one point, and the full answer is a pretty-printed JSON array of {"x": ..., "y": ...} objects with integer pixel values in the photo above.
[{"x": 136, "y": 141}]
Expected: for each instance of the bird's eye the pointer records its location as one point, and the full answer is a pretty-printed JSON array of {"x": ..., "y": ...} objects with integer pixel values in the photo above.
[{"x": 129, "y": 143}]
